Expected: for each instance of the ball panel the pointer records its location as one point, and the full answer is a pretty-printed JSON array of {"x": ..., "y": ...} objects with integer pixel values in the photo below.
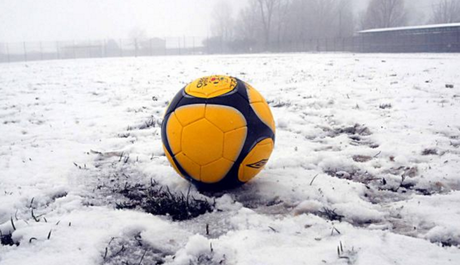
[
  {"x": 215, "y": 171},
  {"x": 218, "y": 136},
  {"x": 262, "y": 110},
  {"x": 174, "y": 102},
  {"x": 234, "y": 142},
  {"x": 168, "y": 156},
  {"x": 174, "y": 134},
  {"x": 255, "y": 160},
  {"x": 225, "y": 118},
  {"x": 202, "y": 142},
  {"x": 192, "y": 168},
  {"x": 211, "y": 86},
  {"x": 253, "y": 94},
  {"x": 190, "y": 113}
]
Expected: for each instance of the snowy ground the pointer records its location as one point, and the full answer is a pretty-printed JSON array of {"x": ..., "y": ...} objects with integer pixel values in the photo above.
[{"x": 365, "y": 169}]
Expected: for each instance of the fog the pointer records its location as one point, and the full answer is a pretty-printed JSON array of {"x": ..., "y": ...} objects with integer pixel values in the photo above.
[{"x": 61, "y": 20}]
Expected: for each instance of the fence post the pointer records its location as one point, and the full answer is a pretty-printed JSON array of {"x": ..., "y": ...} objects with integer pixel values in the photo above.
[
  {"x": 25, "y": 51},
  {"x": 41, "y": 51},
  {"x": 7, "y": 52},
  {"x": 185, "y": 45},
  {"x": 121, "y": 48},
  {"x": 150, "y": 47},
  {"x": 74, "y": 48},
  {"x": 58, "y": 55},
  {"x": 193, "y": 45},
  {"x": 104, "y": 48}
]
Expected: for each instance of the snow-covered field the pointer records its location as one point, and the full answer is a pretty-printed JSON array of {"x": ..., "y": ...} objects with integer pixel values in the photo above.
[{"x": 365, "y": 169}]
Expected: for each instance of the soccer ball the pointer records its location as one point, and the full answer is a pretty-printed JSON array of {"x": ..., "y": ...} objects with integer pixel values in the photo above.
[{"x": 218, "y": 132}]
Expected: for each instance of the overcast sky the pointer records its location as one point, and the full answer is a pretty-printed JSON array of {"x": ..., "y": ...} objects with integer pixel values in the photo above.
[{"x": 51, "y": 20}]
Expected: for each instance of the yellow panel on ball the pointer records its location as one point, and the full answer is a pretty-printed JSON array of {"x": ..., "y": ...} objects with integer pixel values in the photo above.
[
  {"x": 255, "y": 160},
  {"x": 253, "y": 94},
  {"x": 264, "y": 113},
  {"x": 168, "y": 156},
  {"x": 211, "y": 86},
  {"x": 215, "y": 171},
  {"x": 225, "y": 118},
  {"x": 233, "y": 143},
  {"x": 190, "y": 113},
  {"x": 202, "y": 142},
  {"x": 174, "y": 133},
  {"x": 192, "y": 168}
]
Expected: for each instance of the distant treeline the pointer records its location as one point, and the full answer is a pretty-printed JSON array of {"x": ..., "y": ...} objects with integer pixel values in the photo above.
[{"x": 272, "y": 25}]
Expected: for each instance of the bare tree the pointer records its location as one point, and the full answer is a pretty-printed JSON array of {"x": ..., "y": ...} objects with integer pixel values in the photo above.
[
  {"x": 247, "y": 23},
  {"x": 223, "y": 23},
  {"x": 344, "y": 13},
  {"x": 446, "y": 11},
  {"x": 266, "y": 10},
  {"x": 288, "y": 23},
  {"x": 281, "y": 20},
  {"x": 384, "y": 14},
  {"x": 138, "y": 38}
]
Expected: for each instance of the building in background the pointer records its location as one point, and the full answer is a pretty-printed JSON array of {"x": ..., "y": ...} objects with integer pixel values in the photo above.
[{"x": 426, "y": 38}]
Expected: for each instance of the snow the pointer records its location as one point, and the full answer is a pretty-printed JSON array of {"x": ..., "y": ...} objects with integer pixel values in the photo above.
[
  {"x": 433, "y": 26},
  {"x": 365, "y": 168}
]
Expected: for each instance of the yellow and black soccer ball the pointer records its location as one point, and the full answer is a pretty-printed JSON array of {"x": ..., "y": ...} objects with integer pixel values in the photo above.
[{"x": 218, "y": 132}]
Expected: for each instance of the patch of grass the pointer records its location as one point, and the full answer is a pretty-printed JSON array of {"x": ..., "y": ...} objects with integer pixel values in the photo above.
[
  {"x": 351, "y": 173},
  {"x": 278, "y": 104},
  {"x": 132, "y": 250},
  {"x": 403, "y": 171},
  {"x": 385, "y": 106},
  {"x": 356, "y": 129},
  {"x": 429, "y": 151},
  {"x": 349, "y": 255},
  {"x": 357, "y": 133},
  {"x": 361, "y": 158},
  {"x": 157, "y": 200},
  {"x": 7, "y": 239},
  {"x": 330, "y": 214},
  {"x": 152, "y": 122}
]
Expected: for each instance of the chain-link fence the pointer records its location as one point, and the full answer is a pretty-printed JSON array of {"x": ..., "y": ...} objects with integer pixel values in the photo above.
[
  {"x": 33, "y": 51},
  {"x": 427, "y": 41}
]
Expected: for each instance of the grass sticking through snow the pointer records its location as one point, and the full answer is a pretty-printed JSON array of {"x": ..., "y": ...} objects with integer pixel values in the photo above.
[{"x": 157, "y": 200}]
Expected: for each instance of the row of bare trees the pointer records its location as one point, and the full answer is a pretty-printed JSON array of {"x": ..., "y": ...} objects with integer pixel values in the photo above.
[
  {"x": 446, "y": 11},
  {"x": 269, "y": 24},
  {"x": 273, "y": 22}
]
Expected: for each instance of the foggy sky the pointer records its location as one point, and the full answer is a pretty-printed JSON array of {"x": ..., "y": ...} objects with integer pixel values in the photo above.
[{"x": 52, "y": 20}]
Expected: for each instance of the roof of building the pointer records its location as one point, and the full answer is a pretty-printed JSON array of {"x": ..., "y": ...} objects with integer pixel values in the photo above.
[{"x": 433, "y": 26}]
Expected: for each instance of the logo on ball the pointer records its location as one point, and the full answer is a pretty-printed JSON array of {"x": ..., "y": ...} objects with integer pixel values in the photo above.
[{"x": 218, "y": 132}]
